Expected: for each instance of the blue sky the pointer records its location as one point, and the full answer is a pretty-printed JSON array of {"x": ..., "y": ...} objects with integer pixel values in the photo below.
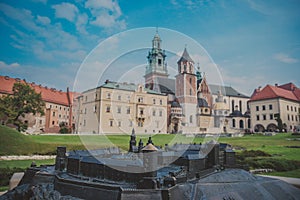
[{"x": 253, "y": 43}]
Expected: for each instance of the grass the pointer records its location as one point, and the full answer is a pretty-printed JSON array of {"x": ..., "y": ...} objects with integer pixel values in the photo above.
[
  {"x": 14, "y": 143},
  {"x": 3, "y": 188},
  {"x": 23, "y": 164},
  {"x": 291, "y": 174}
]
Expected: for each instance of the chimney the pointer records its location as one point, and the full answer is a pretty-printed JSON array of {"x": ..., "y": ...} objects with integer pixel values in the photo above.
[{"x": 276, "y": 84}]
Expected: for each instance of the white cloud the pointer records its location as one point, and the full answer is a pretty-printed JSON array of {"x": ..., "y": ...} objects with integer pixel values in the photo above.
[
  {"x": 43, "y": 20},
  {"x": 66, "y": 11},
  {"x": 81, "y": 22},
  {"x": 5, "y": 65},
  {"x": 40, "y": 1},
  {"x": 106, "y": 14},
  {"x": 285, "y": 58}
]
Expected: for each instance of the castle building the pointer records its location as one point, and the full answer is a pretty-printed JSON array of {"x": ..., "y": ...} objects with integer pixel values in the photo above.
[
  {"x": 273, "y": 103},
  {"x": 115, "y": 108},
  {"x": 58, "y": 106},
  {"x": 193, "y": 104}
]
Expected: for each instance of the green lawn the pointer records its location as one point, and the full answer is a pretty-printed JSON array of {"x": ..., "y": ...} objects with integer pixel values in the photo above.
[
  {"x": 14, "y": 143},
  {"x": 23, "y": 164}
]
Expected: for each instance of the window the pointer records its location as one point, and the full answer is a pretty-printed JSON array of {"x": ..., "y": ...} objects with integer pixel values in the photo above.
[
  {"x": 157, "y": 124},
  {"x": 257, "y": 117},
  {"x": 111, "y": 123},
  {"x": 296, "y": 118},
  {"x": 95, "y": 108},
  {"x": 263, "y": 107},
  {"x": 119, "y": 97},
  {"x": 119, "y": 109},
  {"x": 59, "y": 107},
  {"x": 108, "y": 109},
  {"x": 84, "y": 122},
  {"x": 191, "y": 119},
  {"x": 292, "y": 117},
  {"x": 232, "y": 105},
  {"x": 271, "y": 116},
  {"x": 119, "y": 123},
  {"x": 140, "y": 124},
  {"x": 153, "y": 113},
  {"x": 141, "y": 111},
  {"x": 233, "y": 123},
  {"x": 85, "y": 110},
  {"x": 190, "y": 80},
  {"x": 257, "y": 108},
  {"x": 190, "y": 91},
  {"x": 291, "y": 108},
  {"x": 140, "y": 99},
  {"x": 160, "y": 113},
  {"x": 59, "y": 116},
  {"x": 108, "y": 95},
  {"x": 128, "y": 110},
  {"x": 53, "y": 114},
  {"x": 264, "y": 117},
  {"x": 53, "y": 122},
  {"x": 241, "y": 124},
  {"x": 288, "y": 116},
  {"x": 86, "y": 98},
  {"x": 130, "y": 123},
  {"x": 41, "y": 121},
  {"x": 270, "y": 107},
  {"x": 295, "y": 109},
  {"x": 159, "y": 61},
  {"x": 160, "y": 102},
  {"x": 154, "y": 101},
  {"x": 287, "y": 107}
]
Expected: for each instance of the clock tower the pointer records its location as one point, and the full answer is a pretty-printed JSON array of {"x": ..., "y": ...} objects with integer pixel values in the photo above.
[{"x": 156, "y": 67}]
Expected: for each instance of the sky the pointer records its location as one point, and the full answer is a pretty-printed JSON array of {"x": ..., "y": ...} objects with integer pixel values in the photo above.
[{"x": 249, "y": 43}]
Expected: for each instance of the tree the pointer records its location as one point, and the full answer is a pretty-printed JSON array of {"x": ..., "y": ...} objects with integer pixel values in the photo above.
[
  {"x": 24, "y": 100},
  {"x": 279, "y": 121}
]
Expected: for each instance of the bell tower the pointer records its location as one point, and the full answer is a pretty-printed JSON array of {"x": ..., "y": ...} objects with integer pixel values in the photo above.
[
  {"x": 156, "y": 66},
  {"x": 186, "y": 90}
]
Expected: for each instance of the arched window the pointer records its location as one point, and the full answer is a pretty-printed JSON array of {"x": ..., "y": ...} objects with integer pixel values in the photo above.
[
  {"x": 241, "y": 124},
  {"x": 232, "y": 106},
  {"x": 191, "y": 119},
  {"x": 233, "y": 123}
]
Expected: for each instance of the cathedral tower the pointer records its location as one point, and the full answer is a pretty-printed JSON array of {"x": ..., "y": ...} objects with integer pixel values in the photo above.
[
  {"x": 157, "y": 66},
  {"x": 186, "y": 90}
]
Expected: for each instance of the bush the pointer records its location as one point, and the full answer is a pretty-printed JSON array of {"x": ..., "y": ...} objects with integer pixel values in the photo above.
[
  {"x": 279, "y": 165},
  {"x": 6, "y": 173}
]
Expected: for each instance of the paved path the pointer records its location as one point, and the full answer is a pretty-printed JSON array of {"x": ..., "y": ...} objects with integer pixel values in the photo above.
[{"x": 34, "y": 157}]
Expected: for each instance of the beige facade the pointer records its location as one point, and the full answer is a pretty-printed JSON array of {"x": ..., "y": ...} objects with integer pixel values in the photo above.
[
  {"x": 263, "y": 114},
  {"x": 116, "y": 108},
  {"x": 58, "y": 107}
]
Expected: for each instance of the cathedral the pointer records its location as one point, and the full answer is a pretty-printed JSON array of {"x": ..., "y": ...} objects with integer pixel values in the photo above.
[{"x": 194, "y": 106}]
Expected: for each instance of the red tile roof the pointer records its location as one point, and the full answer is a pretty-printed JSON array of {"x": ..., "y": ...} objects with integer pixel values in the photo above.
[
  {"x": 48, "y": 94},
  {"x": 286, "y": 91}
]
